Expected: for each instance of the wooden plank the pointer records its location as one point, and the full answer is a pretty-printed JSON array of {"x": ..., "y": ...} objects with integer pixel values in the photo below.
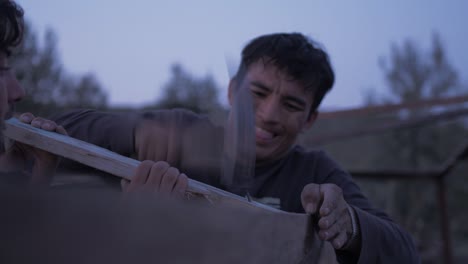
[
  {"x": 389, "y": 126},
  {"x": 387, "y": 108},
  {"x": 108, "y": 161},
  {"x": 266, "y": 234},
  {"x": 95, "y": 226}
]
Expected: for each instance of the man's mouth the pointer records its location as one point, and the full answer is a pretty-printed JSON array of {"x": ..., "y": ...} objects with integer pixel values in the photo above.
[{"x": 264, "y": 136}]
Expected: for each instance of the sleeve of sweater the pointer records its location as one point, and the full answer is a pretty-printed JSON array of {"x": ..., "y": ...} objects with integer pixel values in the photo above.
[
  {"x": 193, "y": 138},
  {"x": 382, "y": 240},
  {"x": 113, "y": 131}
]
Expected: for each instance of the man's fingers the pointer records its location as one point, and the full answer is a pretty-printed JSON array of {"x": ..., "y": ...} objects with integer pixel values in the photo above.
[
  {"x": 61, "y": 130},
  {"x": 340, "y": 240},
  {"x": 26, "y": 118},
  {"x": 331, "y": 230},
  {"x": 38, "y": 122},
  {"x": 42, "y": 123},
  {"x": 329, "y": 233},
  {"x": 181, "y": 185},
  {"x": 141, "y": 175},
  {"x": 169, "y": 179},
  {"x": 49, "y": 125},
  {"x": 338, "y": 213},
  {"x": 326, "y": 222},
  {"x": 310, "y": 198},
  {"x": 45, "y": 124},
  {"x": 156, "y": 175},
  {"x": 334, "y": 216},
  {"x": 332, "y": 195}
]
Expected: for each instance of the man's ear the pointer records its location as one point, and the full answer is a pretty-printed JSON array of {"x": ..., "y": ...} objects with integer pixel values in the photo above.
[
  {"x": 310, "y": 121},
  {"x": 231, "y": 90}
]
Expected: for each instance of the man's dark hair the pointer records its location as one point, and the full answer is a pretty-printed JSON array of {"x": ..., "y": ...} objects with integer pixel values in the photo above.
[
  {"x": 11, "y": 25},
  {"x": 297, "y": 56}
]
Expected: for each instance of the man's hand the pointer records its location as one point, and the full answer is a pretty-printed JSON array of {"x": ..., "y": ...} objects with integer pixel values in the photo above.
[
  {"x": 43, "y": 163},
  {"x": 157, "y": 177},
  {"x": 334, "y": 217}
]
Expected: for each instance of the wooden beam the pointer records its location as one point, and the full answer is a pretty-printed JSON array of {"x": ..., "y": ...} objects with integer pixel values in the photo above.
[
  {"x": 386, "y": 127},
  {"x": 110, "y": 162},
  {"x": 386, "y": 108},
  {"x": 286, "y": 235},
  {"x": 98, "y": 226}
]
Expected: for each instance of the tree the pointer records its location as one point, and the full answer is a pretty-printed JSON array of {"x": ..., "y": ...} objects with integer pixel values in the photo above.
[
  {"x": 414, "y": 75},
  {"x": 186, "y": 91},
  {"x": 48, "y": 86},
  {"x": 85, "y": 92}
]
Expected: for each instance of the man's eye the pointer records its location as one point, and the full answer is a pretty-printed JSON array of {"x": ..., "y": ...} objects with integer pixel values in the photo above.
[
  {"x": 258, "y": 94},
  {"x": 293, "y": 107}
]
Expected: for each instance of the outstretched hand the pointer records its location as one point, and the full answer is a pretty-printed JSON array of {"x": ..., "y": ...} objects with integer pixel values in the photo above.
[{"x": 327, "y": 201}]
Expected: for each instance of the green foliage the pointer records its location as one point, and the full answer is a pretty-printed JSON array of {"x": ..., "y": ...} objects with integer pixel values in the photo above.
[
  {"x": 48, "y": 86},
  {"x": 186, "y": 91},
  {"x": 414, "y": 75}
]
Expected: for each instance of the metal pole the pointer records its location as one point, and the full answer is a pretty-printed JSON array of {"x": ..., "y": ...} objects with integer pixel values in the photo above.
[{"x": 444, "y": 221}]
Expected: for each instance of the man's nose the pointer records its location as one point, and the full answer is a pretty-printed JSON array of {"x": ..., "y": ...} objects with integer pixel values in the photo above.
[
  {"x": 15, "y": 90},
  {"x": 269, "y": 111}
]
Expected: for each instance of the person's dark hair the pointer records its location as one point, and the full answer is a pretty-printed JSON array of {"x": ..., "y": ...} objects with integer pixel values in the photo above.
[
  {"x": 298, "y": 56},
  {"x": 11, "y": 25}
]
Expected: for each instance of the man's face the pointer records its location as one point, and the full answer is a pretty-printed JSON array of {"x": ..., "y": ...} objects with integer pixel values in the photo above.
[
  {"x": 10, "y": 90},
  {"x": 281, "y": 106}
]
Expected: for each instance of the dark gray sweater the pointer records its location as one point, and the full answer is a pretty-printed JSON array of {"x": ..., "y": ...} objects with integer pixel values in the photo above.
[{"x": 382, "y": 240}]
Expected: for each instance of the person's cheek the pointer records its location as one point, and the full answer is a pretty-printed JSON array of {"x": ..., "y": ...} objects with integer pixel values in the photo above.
[{"x": 294, "y": 126}]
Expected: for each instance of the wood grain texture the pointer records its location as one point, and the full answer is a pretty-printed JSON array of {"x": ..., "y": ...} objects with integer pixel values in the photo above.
[
  {"x": 95, "y": 226},
  {"x": 108, "y": 161},
  {"x": 272, "y": 235}
]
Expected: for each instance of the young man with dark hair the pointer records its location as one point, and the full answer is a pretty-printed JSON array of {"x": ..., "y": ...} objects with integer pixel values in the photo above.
[
  {"x": 17, "y": 158},
  {"x": 287, "y": 76}
]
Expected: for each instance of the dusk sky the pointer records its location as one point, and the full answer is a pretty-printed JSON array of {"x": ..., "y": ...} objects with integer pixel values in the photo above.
[{"x": 130, "y": 45}]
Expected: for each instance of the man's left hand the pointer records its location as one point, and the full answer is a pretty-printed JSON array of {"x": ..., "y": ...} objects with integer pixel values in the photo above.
[
  {"x": 335, "y": 224},
  {"x": 43, "y": 162}
]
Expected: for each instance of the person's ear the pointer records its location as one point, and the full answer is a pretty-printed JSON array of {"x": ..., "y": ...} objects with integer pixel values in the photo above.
[
  {"x": 310, "y": 121},
  {"x": 231, "y": 90}
]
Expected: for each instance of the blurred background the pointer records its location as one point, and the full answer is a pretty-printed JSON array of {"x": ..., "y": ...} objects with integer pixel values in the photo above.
[{"x": 396, "y": 117}]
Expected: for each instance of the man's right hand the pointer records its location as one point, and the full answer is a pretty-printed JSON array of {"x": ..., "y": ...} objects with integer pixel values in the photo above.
[{"x": 157, "y": 177}]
